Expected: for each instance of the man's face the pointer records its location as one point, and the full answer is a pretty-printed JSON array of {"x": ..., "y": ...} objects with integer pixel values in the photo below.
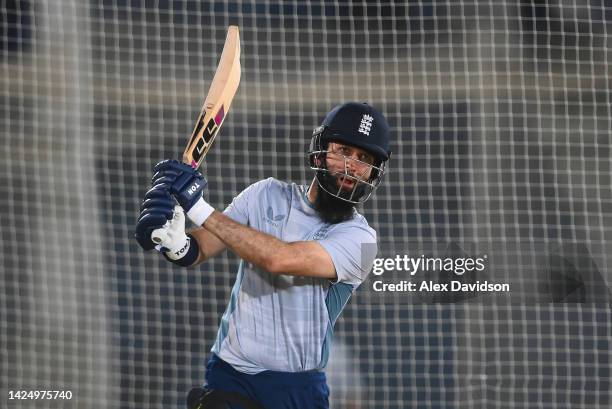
[{"x": 343, "y": 160}]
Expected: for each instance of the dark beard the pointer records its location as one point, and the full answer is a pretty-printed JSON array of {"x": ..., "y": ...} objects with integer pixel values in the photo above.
[{"x": 331, "y": 209}]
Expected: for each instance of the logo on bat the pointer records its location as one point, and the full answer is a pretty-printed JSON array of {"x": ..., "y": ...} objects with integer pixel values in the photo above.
[{"x": 208, "y": 134}]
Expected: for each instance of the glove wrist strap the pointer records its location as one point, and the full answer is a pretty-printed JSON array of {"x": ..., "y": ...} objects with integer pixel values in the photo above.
[
  {"x": 200, "y": 211},
  {"x": 187, "y": 255}
]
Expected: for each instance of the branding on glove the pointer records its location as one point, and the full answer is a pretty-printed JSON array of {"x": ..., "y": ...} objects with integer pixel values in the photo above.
[
  {"x": 182, "y": 251},
  {"x": 193, "y": 188}
]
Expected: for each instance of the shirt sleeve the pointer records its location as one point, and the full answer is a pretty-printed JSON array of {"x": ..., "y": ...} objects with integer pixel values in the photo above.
[
  {"x": 352, "y": 249},
  {"x": 238, "y": 210}
]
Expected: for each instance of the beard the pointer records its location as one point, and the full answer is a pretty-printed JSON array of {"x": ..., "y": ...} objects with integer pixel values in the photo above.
[{"x": 330, "y": 208}]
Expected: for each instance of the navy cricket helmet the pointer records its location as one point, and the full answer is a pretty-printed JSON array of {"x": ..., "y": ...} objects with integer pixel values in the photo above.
[{"x": 356, "y": 124}]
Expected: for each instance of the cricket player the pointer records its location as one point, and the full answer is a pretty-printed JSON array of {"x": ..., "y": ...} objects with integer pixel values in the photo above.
[{"x": 304, "y": 249}]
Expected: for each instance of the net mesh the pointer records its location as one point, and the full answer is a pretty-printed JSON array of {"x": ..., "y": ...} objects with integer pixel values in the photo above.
[{"x": 500, "y": 113}]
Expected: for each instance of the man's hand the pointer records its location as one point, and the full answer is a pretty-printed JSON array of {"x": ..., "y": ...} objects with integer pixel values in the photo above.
[
  {"x": 156, "y": 209},
  {"x": 183, "y": 181},
  {"x": 171, "y": 238},
  {"x": 186, "y": 184}
]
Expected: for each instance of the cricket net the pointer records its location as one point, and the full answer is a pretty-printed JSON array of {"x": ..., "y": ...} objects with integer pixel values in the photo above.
[{"x": 501, "y": 121}]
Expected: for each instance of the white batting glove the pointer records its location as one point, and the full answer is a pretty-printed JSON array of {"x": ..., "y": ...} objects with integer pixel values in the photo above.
[{"x": 171, "y": 238}]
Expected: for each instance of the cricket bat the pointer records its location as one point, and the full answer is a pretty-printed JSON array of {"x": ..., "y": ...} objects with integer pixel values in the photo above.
[
  {"x": 216, "y": 106},
  {"x": 218, "y": 101}
]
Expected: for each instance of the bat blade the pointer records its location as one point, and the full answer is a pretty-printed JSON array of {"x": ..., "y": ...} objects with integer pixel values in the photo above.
[
  {"x": 216, "y": 105},
  {"x": 218, "y": 101}
]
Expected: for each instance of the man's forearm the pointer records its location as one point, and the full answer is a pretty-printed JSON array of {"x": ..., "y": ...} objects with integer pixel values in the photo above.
[
  {"x": 299, "y": 258},
  {"x": 249, "y": 244}
]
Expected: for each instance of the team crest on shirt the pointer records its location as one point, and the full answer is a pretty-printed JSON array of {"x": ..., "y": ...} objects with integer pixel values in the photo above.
[{"x": 271, "y": 218}]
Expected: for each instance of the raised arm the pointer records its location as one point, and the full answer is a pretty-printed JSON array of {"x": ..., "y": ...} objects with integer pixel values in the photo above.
[
  {"x": 301, "y": 258},
  {"x": 305, "y": 258}
]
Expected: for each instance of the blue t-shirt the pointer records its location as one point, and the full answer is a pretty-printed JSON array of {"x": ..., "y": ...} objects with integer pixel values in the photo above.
[{"x": 282, "y": 322}]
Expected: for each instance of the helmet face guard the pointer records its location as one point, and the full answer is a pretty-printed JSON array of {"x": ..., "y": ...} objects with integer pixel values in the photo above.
[{"x": 361, "y": 184}]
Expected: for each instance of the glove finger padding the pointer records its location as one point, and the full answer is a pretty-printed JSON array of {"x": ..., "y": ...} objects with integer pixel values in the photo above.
[
  {"x": 147, "y": 223},
  {"x": 171, "y": 181},
  {"x": 160, "y": 204},
  {"x": 158, "y": 196},
  {"x": 165, "y": 176},
  {"x": 174, "y": 173},
  {"x": 167, "y": 212},
  {"x": 158, "y": 191},
  {"x": 164, "y": 181}
]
